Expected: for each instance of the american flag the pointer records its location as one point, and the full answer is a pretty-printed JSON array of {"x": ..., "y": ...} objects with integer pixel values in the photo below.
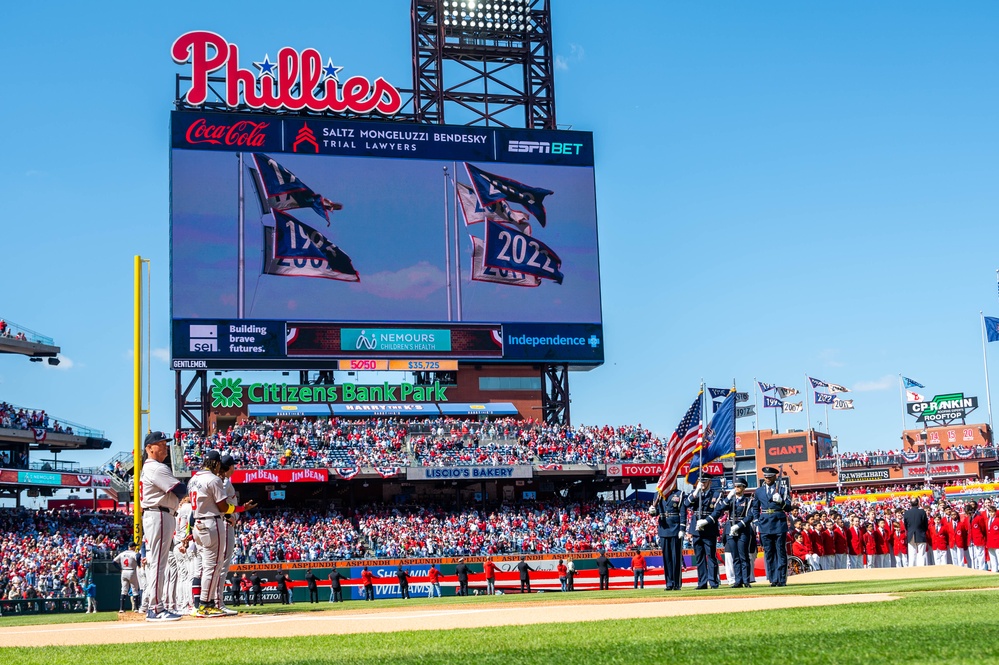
[{"x": 680, "y": 447}]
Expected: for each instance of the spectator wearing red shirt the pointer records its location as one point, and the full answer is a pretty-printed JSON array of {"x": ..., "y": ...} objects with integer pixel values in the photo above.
[
  {"x": 563, "y": 573},
  {"x": 490, "y": 570},
  {"x": 992, "y": 536},
  {"x": 961, "y": 526},
  {"x": 434, "y": 576},
  {"x": 840, "y": 546},
  {"x": 368, "y": 580},
  {"x": 855, "y": 543},
  {"x": 939, "y": 535},
  {"x": 871, "y": 537},
  {"x": 638, "y": 569},
  {"x": 977, "y": 535},
  {"x": 901, "y": 548}
]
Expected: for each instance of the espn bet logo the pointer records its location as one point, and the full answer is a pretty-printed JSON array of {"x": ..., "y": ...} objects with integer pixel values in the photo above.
[{"x": 227, "y": 393}]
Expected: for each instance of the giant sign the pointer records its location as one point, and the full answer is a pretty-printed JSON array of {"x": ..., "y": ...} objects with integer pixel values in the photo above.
[
  {"x": 786, "y": 449},
  {"x": 342, "y": 250},
  {"x": 943, "y": 409}
]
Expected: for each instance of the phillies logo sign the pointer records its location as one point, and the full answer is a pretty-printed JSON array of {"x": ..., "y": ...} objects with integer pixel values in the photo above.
[{"x": 295, "y": 81}]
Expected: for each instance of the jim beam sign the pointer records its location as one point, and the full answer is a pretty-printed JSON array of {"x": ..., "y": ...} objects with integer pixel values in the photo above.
[{"x": 943, "y": 409}]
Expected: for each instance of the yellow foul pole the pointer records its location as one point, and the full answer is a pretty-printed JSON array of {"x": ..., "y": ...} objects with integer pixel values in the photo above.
[{"x": 137, "y": 396}]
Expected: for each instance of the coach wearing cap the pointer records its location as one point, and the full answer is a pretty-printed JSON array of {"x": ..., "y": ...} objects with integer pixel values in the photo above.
[
  {"x": 161, "y": 495},
  {"x": 770, "y": 507}
]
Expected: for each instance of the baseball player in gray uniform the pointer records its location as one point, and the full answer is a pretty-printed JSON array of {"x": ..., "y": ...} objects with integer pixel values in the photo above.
[
  {"x": 177, "y": 575},
  {"x": 228, "y": 527},
  {"x": 208, "y": 504},
  {"x": 128, "y": 561},
  {"x": 160, "y": 495}
]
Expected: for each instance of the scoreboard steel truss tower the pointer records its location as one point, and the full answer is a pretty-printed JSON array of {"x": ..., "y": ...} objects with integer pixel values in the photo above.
[{"x": 474, "y": 63}]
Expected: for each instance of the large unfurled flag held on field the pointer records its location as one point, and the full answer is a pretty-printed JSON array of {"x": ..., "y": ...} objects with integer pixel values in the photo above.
[
  {"x": 686, "y": 437},
  {"x": 786, "y": 392},
  {"x": 298, "y": 250},
  {"x": 842, "y": 405},
  {"x": 284, "y": 191},
  {"x": 475, "y": 213},
  {"x": 491, "y": 188},
  {"x": 719, "y": 439},
  {"x": 793, "y": 407},
  {"x": 824, "y": 398},
  {"x": 909, "y": 383},
  {"x": 992, "y": 328},
  {"x": 913, "y": 396},
  {"x": 483, "y": 273}
]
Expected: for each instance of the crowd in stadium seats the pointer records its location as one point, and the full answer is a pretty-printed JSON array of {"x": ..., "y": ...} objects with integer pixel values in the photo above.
[
  {"x": 385, "y": 442},
  {"x": 870, "y": 458},
  {"x": 12, "y": 417},
  {"x": 297, "y": 536},
  {"x": 46, "y": 554}
]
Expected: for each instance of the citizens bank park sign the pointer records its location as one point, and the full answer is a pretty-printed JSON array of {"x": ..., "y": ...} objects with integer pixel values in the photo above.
[{"x": 294, "y": 81}]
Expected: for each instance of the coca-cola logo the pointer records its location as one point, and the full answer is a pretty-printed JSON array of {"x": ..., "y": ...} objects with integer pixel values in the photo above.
[
  {"x": 307, "y": 474},
  {"x": 245, "y": 133},
  {"x": 294, "y": 81},
  {"x": 261, "y": 476}
]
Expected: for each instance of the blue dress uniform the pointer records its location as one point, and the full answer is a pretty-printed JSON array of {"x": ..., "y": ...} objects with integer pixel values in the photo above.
[
  {"x": 771, "y": 519},
  {"x": 672, "y": 517},
  {"x": 738, "y": 532},
  {"x": 704, "y": 540}
]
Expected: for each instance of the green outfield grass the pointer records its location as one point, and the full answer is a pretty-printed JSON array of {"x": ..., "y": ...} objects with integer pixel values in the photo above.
[
  {"x": 944, "y": 620},
  {"x": 42, "y": 619},
  {"x": 922, "y": 627}
]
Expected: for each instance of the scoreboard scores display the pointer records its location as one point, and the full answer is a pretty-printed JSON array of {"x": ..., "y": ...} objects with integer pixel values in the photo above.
[{"x": 315, "y": 243}]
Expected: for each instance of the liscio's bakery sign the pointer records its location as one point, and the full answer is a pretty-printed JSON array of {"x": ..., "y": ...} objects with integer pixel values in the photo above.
[
  {"x": 294, "y": 81},
  {"x": 943, "y": 409}
]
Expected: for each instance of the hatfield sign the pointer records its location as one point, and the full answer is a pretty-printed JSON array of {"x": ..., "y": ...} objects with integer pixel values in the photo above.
[
  {"x": 294, "y": 81},
  {"x": 943, "y": 409}
]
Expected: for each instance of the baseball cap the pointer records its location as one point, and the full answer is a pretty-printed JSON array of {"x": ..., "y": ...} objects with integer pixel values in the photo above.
[
  {"x": 227, "y": 462},
  {"x": 213, "y": 456},
  {"x": 155, "y": 437}
]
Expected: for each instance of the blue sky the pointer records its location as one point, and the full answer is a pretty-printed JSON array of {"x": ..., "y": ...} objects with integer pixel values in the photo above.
[{"x": 782, "y": 188}]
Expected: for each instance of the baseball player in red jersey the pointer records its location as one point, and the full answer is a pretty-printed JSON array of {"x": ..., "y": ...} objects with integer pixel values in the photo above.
[{"x": 161, "y": 493}]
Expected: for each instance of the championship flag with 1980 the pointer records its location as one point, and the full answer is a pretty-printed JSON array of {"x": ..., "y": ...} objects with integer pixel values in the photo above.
[{"x": 302, "y": 245}]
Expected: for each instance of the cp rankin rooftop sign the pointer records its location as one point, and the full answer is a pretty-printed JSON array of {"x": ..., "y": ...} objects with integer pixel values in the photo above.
[
  {"x": 943, "y": 409},
  {"x": 294, "y": 81}
]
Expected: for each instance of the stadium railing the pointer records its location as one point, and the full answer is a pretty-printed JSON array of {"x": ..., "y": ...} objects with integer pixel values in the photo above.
[{"x": 13, "y": 329}]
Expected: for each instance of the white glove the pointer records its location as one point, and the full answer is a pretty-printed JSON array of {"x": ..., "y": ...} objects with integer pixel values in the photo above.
[
  {"x": 731, "y": 494},
  {"x": 777, "y": 497},
  {"x": 735, "y": 530},
  {"x": 652, "y": 509},
  {"x": 697, "y": 490},
  {"x": 701, "y": 524}
]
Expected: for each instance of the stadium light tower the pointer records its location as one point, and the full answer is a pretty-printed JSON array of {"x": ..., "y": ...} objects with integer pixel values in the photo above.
[{"x": 483, "y": 63}]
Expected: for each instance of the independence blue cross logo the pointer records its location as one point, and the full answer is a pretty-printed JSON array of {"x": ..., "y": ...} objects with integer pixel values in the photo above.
[{"x": 594, "y": 341}]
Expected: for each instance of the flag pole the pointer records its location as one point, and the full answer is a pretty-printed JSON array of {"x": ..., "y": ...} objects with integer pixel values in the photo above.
[
  {"x": 985, "y": 359},
  {"x": 457, "y": 240},
  {"x": 901, "y": 398},
  {"x": 240, "y": 245},
  {"x": 756, "y": 407},
  {"x": 447, "y": 249},
  {"x": 826, "y": 407},
  {"x": 808, "y": 416},
  {"x": 776, "y": 424},
  {"x": 735, "y": 421}
]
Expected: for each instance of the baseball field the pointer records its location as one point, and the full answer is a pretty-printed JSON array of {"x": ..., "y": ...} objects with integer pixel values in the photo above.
[{"x": 925, "y": 615}]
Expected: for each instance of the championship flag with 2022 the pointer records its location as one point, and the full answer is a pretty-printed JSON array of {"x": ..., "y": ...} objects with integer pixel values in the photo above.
[{"x": 508, "y": 253}]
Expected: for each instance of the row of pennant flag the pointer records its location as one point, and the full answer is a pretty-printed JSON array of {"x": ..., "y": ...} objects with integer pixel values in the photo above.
[
  {"x": 486, "y": 201},
  {"x": 692, "y": 443}
]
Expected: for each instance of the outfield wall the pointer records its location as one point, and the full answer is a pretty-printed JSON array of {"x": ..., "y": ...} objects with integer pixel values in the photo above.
[{"x": 544, "y": 576}]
